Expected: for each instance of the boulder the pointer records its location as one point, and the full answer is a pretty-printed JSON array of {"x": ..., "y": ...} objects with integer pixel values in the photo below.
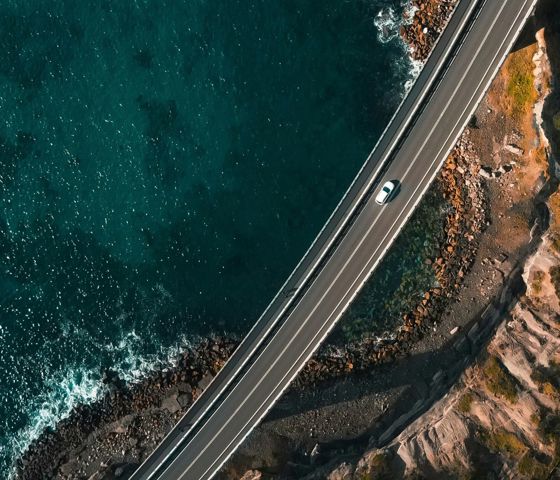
[
  {"x": 171, "y": 404},
  {"x": 205, "y": 381},
  {"x": 485, "y": 172},
  {"x": 514, "y": 149},
  {"x": 185, "y": 399},
  {"x": 343, "y": 472}
]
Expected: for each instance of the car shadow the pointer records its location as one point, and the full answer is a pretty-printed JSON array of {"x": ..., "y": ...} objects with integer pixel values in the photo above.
[{"x": 396, "y": 190}]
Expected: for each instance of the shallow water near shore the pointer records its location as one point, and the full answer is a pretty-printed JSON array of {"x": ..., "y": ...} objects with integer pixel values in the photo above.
[{"x": 163, "y": 167}]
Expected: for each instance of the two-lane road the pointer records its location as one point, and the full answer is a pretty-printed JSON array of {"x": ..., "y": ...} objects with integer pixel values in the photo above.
[{"x": 418, "y": 141}]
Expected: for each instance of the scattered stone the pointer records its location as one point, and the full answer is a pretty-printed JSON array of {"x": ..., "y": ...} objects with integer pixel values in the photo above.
[
  {"x": 171, "y": 404},
  {"x": 184, "y": 400},
  {"x": 315, "y": 452},
  {"x": 485, "y": 172},
  {"x": 502, "y": 258},
  {"x": 514, "y": 149},
  {"x": 252, "y": 475},
  {"x": 421, "y": 32}
]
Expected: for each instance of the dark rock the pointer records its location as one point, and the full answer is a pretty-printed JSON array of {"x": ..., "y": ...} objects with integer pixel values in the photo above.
[
  {"x": 185, "y": 399},
  {"x": 205, "y": 381}
]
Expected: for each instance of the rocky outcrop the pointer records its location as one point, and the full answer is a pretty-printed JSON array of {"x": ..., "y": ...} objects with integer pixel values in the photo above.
[
  {"x": 428, "y": 20},
  {"x": 502, "y": 418}
]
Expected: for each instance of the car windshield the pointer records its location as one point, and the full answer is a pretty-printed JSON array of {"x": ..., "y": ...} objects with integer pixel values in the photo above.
[{"x": 386, "y": 189}]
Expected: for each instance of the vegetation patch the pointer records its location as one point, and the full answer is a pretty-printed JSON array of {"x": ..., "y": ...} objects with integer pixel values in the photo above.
[
  {"x": 520, "y": 85},
  {"x": 549, "y": 429},
  {"x": 538, "y": 279},
  {"x": 503, "y": 442},
  {"x": 380, "y": 468},
  {"x": 554, "y": 207},
  {"x": 498, "y": 380},
  {"x": 531, "y": 468},
  {"x": 555, "y": 278},
  {"x": 555, "y": 242},
  {"x": 465, "y": 402}
]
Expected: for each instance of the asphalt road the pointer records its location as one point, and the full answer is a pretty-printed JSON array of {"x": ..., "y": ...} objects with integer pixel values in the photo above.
[{"x": 350, "y": 246}]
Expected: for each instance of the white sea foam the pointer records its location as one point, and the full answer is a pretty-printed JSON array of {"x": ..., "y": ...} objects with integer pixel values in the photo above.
[
  {"x": 388, "y": 25},
  {"x": 81, "y": 385},
  {"x": 65, "y": 392},
  {"x": 388, "y": 22},
  {"x": 415, "y": 65},
  {"x": 416, "y": 68},
  {"x": 132, "y": 367},
  {"x": 409, "y": 12}
]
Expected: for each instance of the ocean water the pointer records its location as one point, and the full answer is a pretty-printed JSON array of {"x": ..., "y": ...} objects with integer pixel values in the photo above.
[{"x": 163, "y": 167}]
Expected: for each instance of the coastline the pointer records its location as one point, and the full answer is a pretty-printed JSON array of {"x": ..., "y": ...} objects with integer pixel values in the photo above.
[
  {"x": 505, "y": 309},
  {"x": 137, "y": 416}
]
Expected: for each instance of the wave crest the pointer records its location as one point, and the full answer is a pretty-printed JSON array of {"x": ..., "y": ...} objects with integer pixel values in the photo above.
[
  {"x": 388, "y": 24},
  {"x": 81, "y": 385}
]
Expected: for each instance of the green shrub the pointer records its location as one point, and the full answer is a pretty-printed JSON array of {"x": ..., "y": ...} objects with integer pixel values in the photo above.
[
  {"x": 465, "y": 402},
  {"x": 537, "y": 282},
  {"x": 380, "y": 468},
  {"x": 499, "y": 381},
  {"x": 530, "y": 467},
  {"x": 520, "y": 87},
  {"x": 548, "y": 379},
  {"x": 504, "y": 442},
  {"x": 555, "y": 242},
  {"x": 555, "y": 278},
  {"x": 549, "y": 428}
]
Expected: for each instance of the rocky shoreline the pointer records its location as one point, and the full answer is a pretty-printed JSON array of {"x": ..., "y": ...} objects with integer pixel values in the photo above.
[
  {"x": 160, "y": 399},
  {"x": 108, "y": 438},
  {"x": 428, "y": 21}
]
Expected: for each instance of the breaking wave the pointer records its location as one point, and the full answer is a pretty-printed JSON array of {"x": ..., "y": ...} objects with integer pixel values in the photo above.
[
  {"x": 388, "y": 24},
  {"x": 83, "y": 386}
]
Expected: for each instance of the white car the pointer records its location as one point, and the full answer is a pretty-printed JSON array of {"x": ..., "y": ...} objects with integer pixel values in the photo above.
[{"x": 385, "y": 193}]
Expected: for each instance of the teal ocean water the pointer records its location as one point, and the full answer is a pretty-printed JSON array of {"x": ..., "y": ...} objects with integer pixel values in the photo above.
[{"x": 163, "y": 167}]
